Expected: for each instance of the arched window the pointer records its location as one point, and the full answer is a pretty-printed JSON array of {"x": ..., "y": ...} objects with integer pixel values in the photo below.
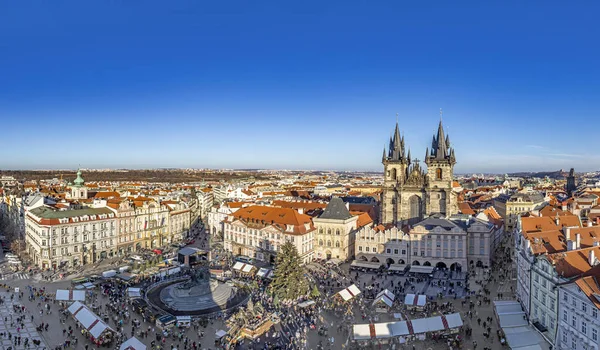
[
  {"x": 393, "y": 174},
  {"x": 337, "y": 232},
  {"x": 329, "y": 243},
  {"x": 321, "y": 242},
  {"x": 337, "y": 244},
  {"x": 321, "y": 231},
  {"x": 328, "y": 231},
  {"x": 438, "y": 173}
]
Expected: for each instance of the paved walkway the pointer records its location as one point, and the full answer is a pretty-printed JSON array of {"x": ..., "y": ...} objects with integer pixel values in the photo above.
[{"x": 8, "y": 324}]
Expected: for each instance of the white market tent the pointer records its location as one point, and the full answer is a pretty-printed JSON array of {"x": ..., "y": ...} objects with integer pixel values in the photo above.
[
  {"x": 519, "y": 334},
  {"x": 247, "y": 268},
  {"x": 306, "y": 303},
  {"x": 89, "y": 320},
  {"x": 263, "y": 272},
  {"x": 403, "y": 328},
  {"x": 349, "y": 293},
  {"x": 132, "y": 344},
  {"x": 421, "y": 269},
  {"x": 220, "y": 334},
  {"x": 68, "y": 295},
  {"x": 89, "y": 285},
  {"x": 386, "y": 297},
  {"x": 415, "y": 300},
  {"x": 238, "y": 265},
  {"x": 134, "y": 292}
]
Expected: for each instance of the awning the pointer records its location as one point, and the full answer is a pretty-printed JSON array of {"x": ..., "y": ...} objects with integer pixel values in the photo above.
[
  {"x": 349, "y": 293},
  {"x": 238, "y": 265},
  {"x": 421, "y": 269},
  {"x": 67, "y": 295},
  {"x": 132, "y": 344},
  {"x": 89, "y": 320},
  {"x": 365, "y": 264},
  {"x": 403, "y": 328},
  {"x": 396, "y": 267},
  {"x": 89, "y": 285}
]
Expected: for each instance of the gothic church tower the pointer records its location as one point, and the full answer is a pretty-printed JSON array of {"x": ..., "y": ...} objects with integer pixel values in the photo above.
[{"x": 409, "y": 193}]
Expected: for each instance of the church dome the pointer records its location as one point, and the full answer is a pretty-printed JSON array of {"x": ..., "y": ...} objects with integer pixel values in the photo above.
[{"x": 79, "y": 180}]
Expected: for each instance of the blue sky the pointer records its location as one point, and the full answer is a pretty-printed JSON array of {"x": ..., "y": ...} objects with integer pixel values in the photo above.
[{"x": 303, "y": 85}]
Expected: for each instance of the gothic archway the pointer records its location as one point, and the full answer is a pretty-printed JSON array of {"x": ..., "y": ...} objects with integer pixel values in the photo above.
[
  {"x": 374, "y": 259},
  {"x": 441, "y": 265},
  {"x": 389, "y": 261},
  {"x": 416, "y": 263},
  {"x": 426, "y": 263}
]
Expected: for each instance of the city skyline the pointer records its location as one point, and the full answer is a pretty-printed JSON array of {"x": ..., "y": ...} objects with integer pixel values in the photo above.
[{"x": 193, "y": 85}]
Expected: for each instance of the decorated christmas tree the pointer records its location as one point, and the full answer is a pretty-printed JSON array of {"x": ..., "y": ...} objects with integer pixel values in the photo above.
[{"x": 289, "y": 281}]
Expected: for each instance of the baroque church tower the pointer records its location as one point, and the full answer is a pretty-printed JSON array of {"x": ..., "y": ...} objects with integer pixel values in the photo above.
[{"x": 410, "y": 193}]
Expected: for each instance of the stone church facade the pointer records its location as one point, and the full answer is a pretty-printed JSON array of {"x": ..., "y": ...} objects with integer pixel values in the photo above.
[{"x": 411, "y": 193}]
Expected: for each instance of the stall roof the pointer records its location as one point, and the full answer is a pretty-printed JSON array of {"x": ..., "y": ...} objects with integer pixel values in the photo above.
[
  {"x": 396, "y": 267},
  {"x": 132, "y": 344},
  {"x": 415, "y": 300},
  {"x": 89, "y": 285},
  {"x": 186, "y": 251},
  {"x": 262, "y": 272},
  {"x": 67, "y": 294},
  {"x": 421, "y": 269},
  {"x": 306, "y": 303},
  {"x": 247, "y": 268},
  {"x": 507, "y": 307},
  {"x": 386, "y": 297},
  {"x": 525, "y": 338},
  {"x": 349, "y": 292},
  {"x": 365, "y": 264},
  {"x": 402, "y": 328},
  {"x": 220, "y": 334},
  {"x": 238, "y": 265},
  {"x": 134, "y": 292},
  {"x": 89, "y": 320}
]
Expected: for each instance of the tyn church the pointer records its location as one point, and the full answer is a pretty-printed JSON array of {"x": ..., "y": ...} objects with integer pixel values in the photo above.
[{"x": 411, "y": 193}]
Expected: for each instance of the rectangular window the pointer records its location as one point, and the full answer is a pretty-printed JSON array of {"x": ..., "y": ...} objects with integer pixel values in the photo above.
[
  {"x": 564, "y": 337},
  {"x": 360, "y": 248},
  {"x": 403, "y": 251},
  {"x": 389, "y": 251},
  {"x": 374, "y": 250},
  {"x": 565, "y": 297},
  {"x": 565, "y": 316},
  {"x": 395, "y": 251},
  {"x": 574, "y": 321},
  {"x": 595, "y": 313},
  {"x": 583, "y": 327},
  {"x": 366, "y": 249},
  {"x": 583, "y": 307},
  {"x": 594, "y": 334}
]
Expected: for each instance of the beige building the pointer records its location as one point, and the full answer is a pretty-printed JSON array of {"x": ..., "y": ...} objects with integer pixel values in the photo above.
[
  {"x": 58, "y": 238},
  {"x": 510, "y": 207},
  {"x": 382, "y": 246},
  {"x": 336, "y": 229},
  {"x": 410, "y": 193},
  {"x": 259, "y": 232}
]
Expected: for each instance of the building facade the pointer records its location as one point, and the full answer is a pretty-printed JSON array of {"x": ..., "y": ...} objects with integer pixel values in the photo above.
[
  {"x": 336, "y": 230},
  {"x": 65, "y": 238},
  {"x": 259, "y": 232}
]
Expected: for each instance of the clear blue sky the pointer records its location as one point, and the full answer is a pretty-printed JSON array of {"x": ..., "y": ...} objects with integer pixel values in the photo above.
[{"x": 303, "y": 85}]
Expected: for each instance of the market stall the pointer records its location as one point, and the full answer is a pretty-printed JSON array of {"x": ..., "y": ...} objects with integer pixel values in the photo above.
[
  {"x": 133, "y": 343},
  {"x": 348, "y": 293},
  {"x": 133, "y": 293},
  {"x": 415, "y": 301},
  {"x": 100, "y": 333},
  {"x": 70, "y": 295},
  {"x": 419, "y": 328},
  {"x": 384, "y": 301}
]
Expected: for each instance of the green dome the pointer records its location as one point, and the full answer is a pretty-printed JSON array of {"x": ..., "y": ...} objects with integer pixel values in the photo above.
[{"x": 79, "y": 180}]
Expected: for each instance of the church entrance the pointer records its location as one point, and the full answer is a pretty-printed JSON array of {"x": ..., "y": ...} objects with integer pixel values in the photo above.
[{"x": 415, "y": 209}]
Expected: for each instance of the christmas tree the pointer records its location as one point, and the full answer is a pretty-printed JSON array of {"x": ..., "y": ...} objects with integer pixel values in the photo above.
[{"x": 289, "y": 281}]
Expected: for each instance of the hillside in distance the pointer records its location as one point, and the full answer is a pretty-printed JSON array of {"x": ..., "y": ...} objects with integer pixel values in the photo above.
[{"x": 149, "y": 175}]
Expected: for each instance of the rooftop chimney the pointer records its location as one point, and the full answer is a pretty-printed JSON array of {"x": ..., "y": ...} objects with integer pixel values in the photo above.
[
  {"x": 564, "y": 207},
  {"x": 567, "y": 233},
  {"x": 592, "y": 258},
  {"x": 578, "y": 241},
  {"x": 300, "y": 210}
]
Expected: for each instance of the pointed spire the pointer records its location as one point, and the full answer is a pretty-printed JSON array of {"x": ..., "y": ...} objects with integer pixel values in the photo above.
[
  {"x": 391, "y": 147},
  {"x": 427, "y": 154},
  {"x": 383, "y": 157},
  {"x": 408, "y": 157},
  {"x": 447, "y": 141},
  {"x": 440, "y": 149},
  {"x": 397, "y": 137}
]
